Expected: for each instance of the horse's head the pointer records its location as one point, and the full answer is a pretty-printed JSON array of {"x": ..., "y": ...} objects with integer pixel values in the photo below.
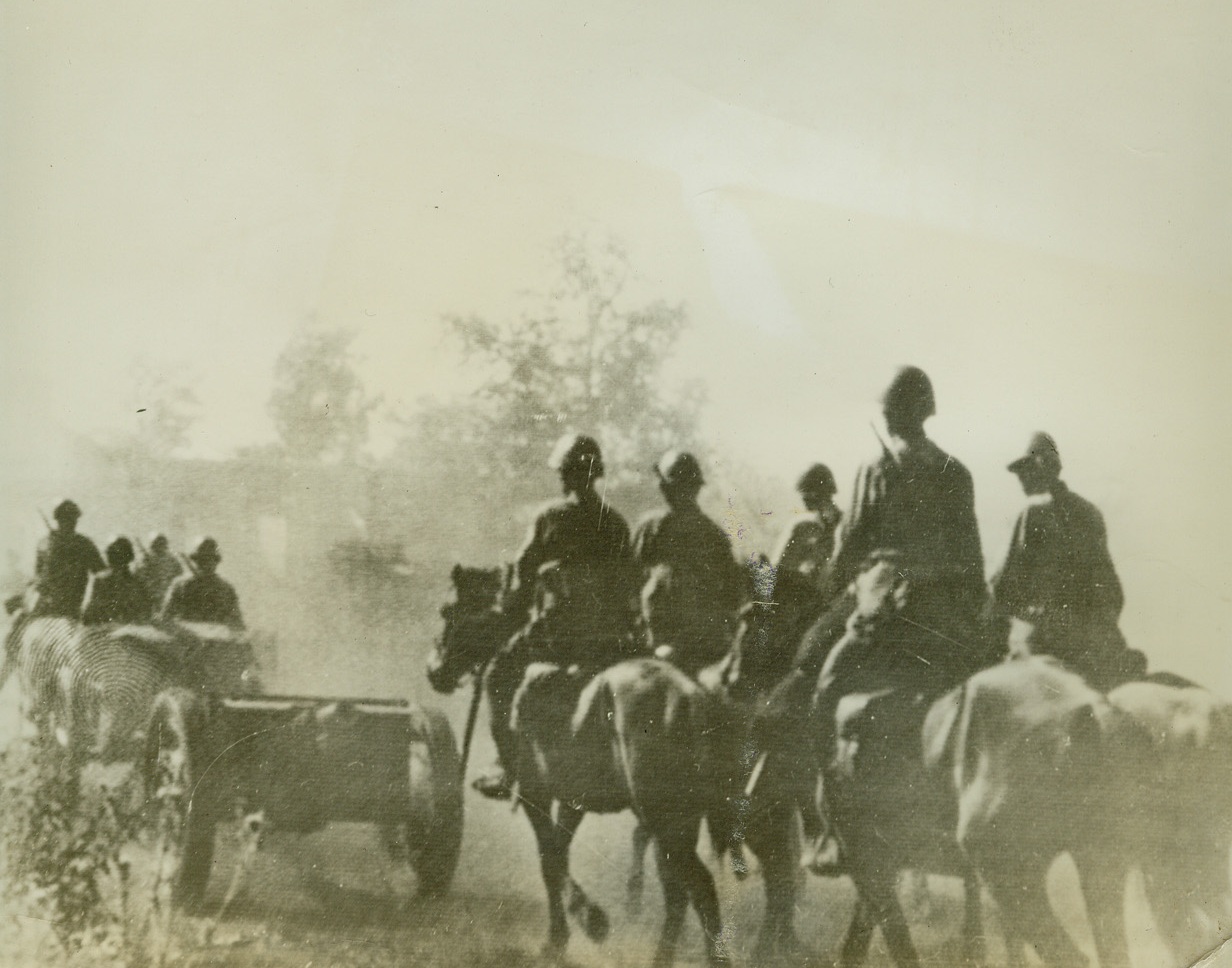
[{"x": 474, "y": 628}]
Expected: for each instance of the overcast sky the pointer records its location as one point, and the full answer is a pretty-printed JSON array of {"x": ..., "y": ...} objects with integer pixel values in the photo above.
[{"x": 1032, "y": 201}]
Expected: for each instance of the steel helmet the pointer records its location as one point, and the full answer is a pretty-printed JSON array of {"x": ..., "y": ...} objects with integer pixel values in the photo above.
[
  {"x": 910, "y": 393},
  {"x": 679, "y": 468},
  {"x": 120, "y": 552},
  {"x": 577, "y": 452},
  {"x": 205, "y": 549},
  {"x": 66, "y": 509},
  {"x": 817, "y": 478}
]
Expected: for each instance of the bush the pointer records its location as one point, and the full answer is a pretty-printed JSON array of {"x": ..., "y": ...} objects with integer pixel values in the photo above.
[{"x": 62, "y": 860}]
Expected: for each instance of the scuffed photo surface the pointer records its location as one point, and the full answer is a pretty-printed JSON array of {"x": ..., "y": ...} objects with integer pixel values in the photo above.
[{"x": 327, "y": 286}]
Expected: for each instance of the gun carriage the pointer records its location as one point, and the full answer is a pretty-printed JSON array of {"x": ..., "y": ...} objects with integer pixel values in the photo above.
[
  {"x": 185, "y": 702},
  {"x": 298, "y": 763}
]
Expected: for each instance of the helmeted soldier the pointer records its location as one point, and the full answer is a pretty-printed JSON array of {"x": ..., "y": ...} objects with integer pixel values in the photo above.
[
  {"x": 802, "y": 564},
  {"x": 63, "y": 565},
  {"x": 574, "y": 584},
  {"x": 116, "y": 595},
  {"x": 692, "y": 585},
  {"x": 158, "y": 568},
  {"x": 1058, "y": 585},
  {"x": 911, "y": 548},
  {"x": 203, "y": 596}
]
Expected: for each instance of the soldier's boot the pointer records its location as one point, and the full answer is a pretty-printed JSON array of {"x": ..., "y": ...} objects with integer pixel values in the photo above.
[
  {"x": 498, "y": 782},
  {"x": 822, "y": 853}
]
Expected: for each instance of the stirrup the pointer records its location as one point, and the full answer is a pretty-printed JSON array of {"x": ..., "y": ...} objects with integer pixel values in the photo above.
[
  {"x": 823, "y": 856},
  {"x": 495, "y": 785}
]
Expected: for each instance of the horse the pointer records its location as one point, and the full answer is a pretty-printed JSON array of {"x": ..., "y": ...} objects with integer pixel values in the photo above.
[
  {"x": 1036, "y": 756},
  {"x": 881, "y": 774},
  {"x": 639, "y": 735},
  {"x": 89, "y": 689},
  {"x": 1168, "y": 762}
]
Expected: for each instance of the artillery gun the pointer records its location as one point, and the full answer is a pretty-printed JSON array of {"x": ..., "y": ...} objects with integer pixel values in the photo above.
[{"x": 295, "y": 763}]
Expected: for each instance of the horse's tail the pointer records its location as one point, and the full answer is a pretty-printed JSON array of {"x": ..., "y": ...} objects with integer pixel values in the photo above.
[{"x": 714, "y": 737}]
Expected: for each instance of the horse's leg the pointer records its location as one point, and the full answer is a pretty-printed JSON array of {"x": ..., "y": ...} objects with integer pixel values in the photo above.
[
  {"x": 1019, "y": 886},
  {"x": 554, "y": 865},
  {"x": 772, "y": 837},
  {"x": 973, "y": 920},
  {"x": 637, "y": 872},
  {"x": 700, "y": 884},
  {"x": 859, "y": 934},
  {"x": 877, "y": 883},
  {"x": 1103, "y": 880},
  {"x": 586, "y": 914},
  {"x": 675, "y": 903}
]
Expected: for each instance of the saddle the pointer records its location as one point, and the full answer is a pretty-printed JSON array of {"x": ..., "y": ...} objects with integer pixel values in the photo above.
[
  {"x": 548, "y": 696},
  {"x": 873, "y": 727}
]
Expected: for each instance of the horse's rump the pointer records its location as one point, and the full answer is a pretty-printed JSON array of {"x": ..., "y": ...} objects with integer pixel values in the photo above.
[
  {"x": 1181, "y": 828},
  {"x": 634, "y": 735},
  {"x": 887, "y": 794},
  {"x": 96, "y": 673},
  {"x": 1030, "y": 757}
]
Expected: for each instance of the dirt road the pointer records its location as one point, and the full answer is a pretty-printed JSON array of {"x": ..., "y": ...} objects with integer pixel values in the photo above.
[{"x": 333, "y": 898}]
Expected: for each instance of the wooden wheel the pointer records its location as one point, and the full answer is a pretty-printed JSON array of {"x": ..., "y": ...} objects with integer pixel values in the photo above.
[
  {"x": 435, "y": 824},
  {"x": 183, "y": 831}
]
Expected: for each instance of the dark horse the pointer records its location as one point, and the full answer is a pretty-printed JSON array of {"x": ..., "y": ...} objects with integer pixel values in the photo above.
[
  {"x": 888, "y": 791},
  {"x": 636, "y": 736}
]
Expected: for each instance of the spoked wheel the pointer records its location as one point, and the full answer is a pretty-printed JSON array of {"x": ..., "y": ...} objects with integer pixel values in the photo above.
[
  {"x": 183, "y": 835},
  {"x": 435, "y": 827}
]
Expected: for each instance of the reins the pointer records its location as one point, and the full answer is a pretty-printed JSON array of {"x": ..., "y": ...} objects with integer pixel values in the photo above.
[{"x": 472, "y": 714}]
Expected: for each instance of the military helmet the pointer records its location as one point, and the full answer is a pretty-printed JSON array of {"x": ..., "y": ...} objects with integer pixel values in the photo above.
[
  {"x": 679, "y": 468},
  {"x": 1041, "y": 452},
  {"x": 910, "y": 393},
  {"x": 120, "y": 552},
  {"x": 205, "y": 549},
  {"x": 817, "y": 478},
  {"x": 66, "y": 509},
  {"x": 575, "y": 452}
]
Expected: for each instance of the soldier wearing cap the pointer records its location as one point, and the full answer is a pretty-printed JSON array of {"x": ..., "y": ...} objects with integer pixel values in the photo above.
[
  {"x": 1058, "y": 586},
  {"x": 911, "y": 549},
  {"x": 116, "y": 595},
  {"x": 158, "y": 568},
  {"x": 802, "y": 585},
  {"x": 64, "y": 562},
  {"x": 572, "y": 592},
  {"x": 203, "y": 596},
  {"x": 692, "y": 585}
]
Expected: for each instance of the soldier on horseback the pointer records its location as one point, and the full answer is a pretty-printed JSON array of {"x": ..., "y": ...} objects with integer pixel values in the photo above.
[
  {"x": 158, "y": 568},
  {"x": 573, "y": 589},
  {"x": 692, "y": 584},
  {"x": 116, "y": 595},
  {"x": 802, "y": 583},
  {"x": 203, "y": 596},
  {"x": 63, "y": 565},
  {"x": 1058, "y": 587},
  {"x": 911, "y": 549}
]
